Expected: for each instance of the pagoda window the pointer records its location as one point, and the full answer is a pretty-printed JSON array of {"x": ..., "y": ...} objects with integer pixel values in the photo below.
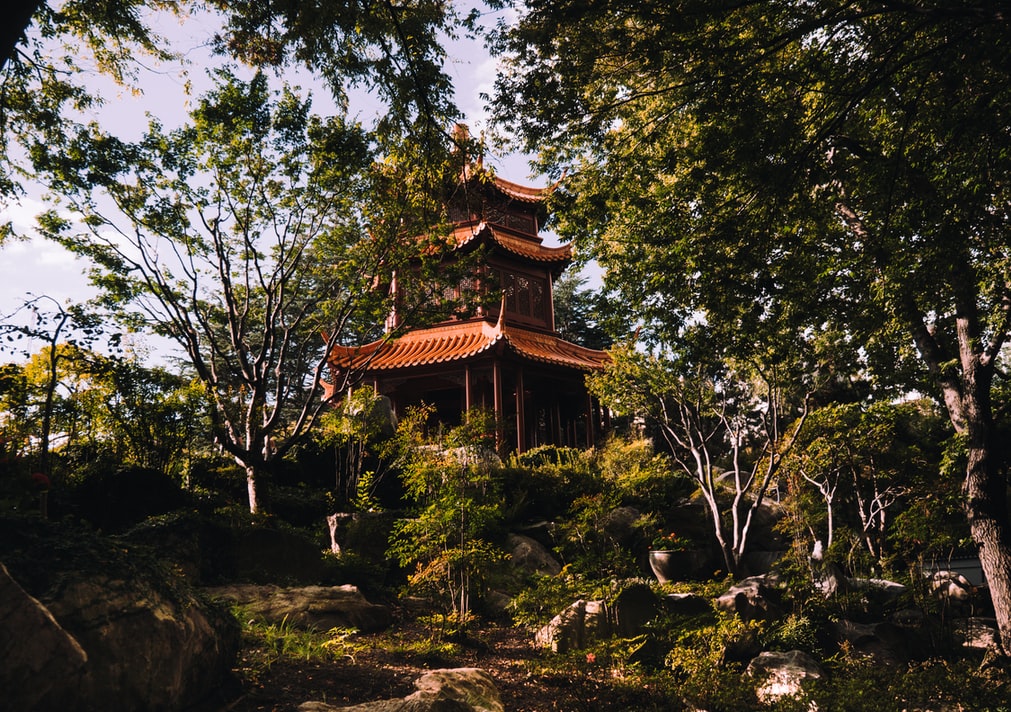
[
  {"x": 525, "y": 295},
  {"x": 537, "y": 299},
  {"x": 521, "y": 222}
]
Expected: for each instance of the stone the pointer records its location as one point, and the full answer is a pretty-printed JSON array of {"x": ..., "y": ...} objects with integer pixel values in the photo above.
[
  {"x": 753, "y": 598},
  {"x": 633, "y": 608},
  {"x": 976, "y": 633},
  {"x": 952, "y": 588},
  {"x": 780, "y": 674},
  {"x": 686, "y": 604},
  {"x": 135, "y": 638},
  {"x": 884, "y": 642},
  {"x": 879, "y": 591},
  {"x": 310, "y": 607},
  {"x": 762, "y": 562},
  {"x": 530, "y": 556},
  {"x": 596, "y": 622},
  {"x": 622, "y": 525},
  {"x": 447, "y": 690},
  {"x": 35, "y": 649},
  {"x": 470, "y": 685},
  {"x": 566, "y": 631}
]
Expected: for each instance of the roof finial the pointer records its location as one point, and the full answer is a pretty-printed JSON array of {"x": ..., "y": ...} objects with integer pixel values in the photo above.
[{"x": 463, "y": 143}]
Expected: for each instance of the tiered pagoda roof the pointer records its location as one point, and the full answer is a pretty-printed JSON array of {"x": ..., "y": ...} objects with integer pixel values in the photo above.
[
  {"x": 464, "y": 340},
  {"x": 514, "y": 242}
]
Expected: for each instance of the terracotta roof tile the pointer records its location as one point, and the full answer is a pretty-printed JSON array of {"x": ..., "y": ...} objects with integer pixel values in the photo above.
[
  {"x": 523, "y": 246},
  {"x": 464, "y": 340}
]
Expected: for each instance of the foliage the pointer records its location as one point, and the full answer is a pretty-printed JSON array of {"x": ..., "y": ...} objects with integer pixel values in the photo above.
[
  {"x": 872, "y": 472},
  {"x": 541, "y": 483},
  {"x": 794, "y": 632},
  {"x": 857, "y": 685},
  {"x": 579, "y": 312},
  {"x": 449, "y": 542},
  {"x": 354, "y": 429},
  {"x": 808, "y": 170},
  {"x": 45, "y": 72},
  {"x": 101, "y": 413},
  {"x": 643, "y": 478},
  {"x": 49, "y": 53},
  {"x": 244, "y": 236},
  {"x": 725, "y": 425},
  {"x": 670, "y": 541},
  {"x": 264, "y": 644}
]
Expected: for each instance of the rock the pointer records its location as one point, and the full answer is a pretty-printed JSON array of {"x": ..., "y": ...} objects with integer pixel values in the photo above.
[
  {"x": 781, "y": 674},
  {"x": 885, "y": 643},
  {"x": 633, "y": 608},
  {"x": 878, "y": 591},
  {"x": 586, "y": 621},
  {"x": 596, "y": 622},
  {"x": 621, "y": 525},
  {"x": 35, "y": 649},
  {"x": 976, "y": 633},
  {"x": 952, "y": 588},
  {"x": 318, "y": 607},
  {"x": 144, "y": 640},
  {"x": 566, "y": 631},
  {"x": 449, "y": 690},
  {"x": 686, "y": 604},
  {"x": 763, "y": 534},
  {"x": 762, "y": 562},
  {"x": 496, "y": 603},
  {"x": 470, "y": 685},
  {"x": 529, "y": 555},
  {"x": 753, "y": 598}
]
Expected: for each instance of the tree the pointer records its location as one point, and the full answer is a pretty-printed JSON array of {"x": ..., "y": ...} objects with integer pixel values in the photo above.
[
  {"x": 243, "y": 237},
  {"x": 818, "y": 163},
  {"x": 63, "y": 330},
  {"x": 450, "y": 481},
  {"x": 48, "y": 50},
  {"x": 578, "y": 312},
  {"x": 868, "y": 464},
  {"x": 728, "y": 429}
]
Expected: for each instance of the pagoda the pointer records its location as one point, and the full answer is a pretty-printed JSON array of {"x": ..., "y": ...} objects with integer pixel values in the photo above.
[{"x": 505, "y": 355}]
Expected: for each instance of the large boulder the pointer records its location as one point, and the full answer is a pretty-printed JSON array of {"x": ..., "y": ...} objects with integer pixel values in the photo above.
[
  {"x": 884, "y": 642},
  {"x": 566, "y": 631},
  {"x": 315, "y": 607},
  {"x": 753, "y": 598},
  {"x": 781, "y": 674},
  {"x": 127, "y": 635},
  {"x": 976, "y": 633},
  {"x": 450, "y": 690},
  {"x": 34, "y": 647},
  {"x": 633, "y": 608},
  {"x": 530, "y": 556},
  {"x": 211, "y": 550},
  {"x": 586, "y": 621}
]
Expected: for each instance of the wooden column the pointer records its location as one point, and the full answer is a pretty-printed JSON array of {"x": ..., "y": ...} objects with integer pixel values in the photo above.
[
  {"x": 521, "y": 427},
  {"x": 496, "y": 387},
  {"x": 467, "y": 402}
]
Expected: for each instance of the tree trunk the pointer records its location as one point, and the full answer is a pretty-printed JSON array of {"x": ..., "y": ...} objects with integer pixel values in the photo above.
[
  {"x": 986, "y": 508},
  {"x": 251, "y": 489},
  {"x": 18, "y": 15}
]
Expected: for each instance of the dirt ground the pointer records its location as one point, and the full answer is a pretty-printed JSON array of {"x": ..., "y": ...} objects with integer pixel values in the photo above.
[{"x": 389, "y": 668}]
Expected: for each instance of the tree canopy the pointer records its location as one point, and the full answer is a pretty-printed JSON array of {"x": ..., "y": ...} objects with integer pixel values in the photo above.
[
  {"x": 244, "y": 236},
  {"x": 759, "y": 172}
]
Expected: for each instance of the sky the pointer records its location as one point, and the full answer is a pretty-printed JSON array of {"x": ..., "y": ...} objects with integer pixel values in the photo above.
[{"x": 35, "y": 266}]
